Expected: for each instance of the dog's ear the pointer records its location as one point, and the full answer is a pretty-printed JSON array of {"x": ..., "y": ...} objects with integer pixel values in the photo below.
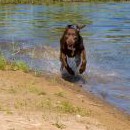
[
  {"x": 80, "y": 26},
  {"x": 77, "y": 27},
  {"x": 69, "y": 26}
]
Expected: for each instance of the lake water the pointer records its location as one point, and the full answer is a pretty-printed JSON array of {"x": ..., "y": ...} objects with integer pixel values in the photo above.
[{"x": 31, "y": 33}]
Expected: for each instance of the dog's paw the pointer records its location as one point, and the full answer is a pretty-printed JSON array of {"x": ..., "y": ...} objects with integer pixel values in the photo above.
[
  {"x": 71, "y": 71},
  {"x": 82, "y": 69}
]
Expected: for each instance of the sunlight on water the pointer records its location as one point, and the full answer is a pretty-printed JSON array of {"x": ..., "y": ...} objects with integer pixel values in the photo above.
[{"x": 32, "y": 33}]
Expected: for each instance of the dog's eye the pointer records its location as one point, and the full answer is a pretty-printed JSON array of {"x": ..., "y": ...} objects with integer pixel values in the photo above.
[
  {"x": 74, "y": 34},
  {"x": 68, "y": 34},
  {"x": 76, "y": 38}
]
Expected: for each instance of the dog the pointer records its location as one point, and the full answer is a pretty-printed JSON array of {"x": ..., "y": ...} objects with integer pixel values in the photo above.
[{"x": 71, "y": 45}]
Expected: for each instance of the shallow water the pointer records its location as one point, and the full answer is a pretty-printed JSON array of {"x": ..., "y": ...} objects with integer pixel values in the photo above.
[{"x": 31, "y": 33}]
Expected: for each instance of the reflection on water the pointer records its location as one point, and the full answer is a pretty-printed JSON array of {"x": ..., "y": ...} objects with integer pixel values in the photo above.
[
  {"x": 37, "y": 23},
  {"x": 32, "y": 32}
]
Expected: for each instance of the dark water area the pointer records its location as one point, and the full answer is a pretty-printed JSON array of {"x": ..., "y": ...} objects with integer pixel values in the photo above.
[{"x": 32, "y": 32}]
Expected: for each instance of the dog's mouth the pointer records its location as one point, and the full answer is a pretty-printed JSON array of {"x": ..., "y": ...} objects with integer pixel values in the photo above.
[{"x": 71, "y": 47}]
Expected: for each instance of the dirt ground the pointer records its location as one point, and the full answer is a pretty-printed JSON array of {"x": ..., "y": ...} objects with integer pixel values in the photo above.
[{"x": 29, "y": 102}]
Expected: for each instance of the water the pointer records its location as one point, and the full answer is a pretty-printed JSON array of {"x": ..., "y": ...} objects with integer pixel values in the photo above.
[{"x": 31, "y": 33}]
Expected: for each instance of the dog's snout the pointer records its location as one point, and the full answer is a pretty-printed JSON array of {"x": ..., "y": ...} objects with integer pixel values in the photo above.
[
  {"x": 71, "y": 36},
  {"x": 70, "y": 41}
]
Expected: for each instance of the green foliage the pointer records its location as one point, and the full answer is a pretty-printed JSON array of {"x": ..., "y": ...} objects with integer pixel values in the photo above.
[
  {"x": 20, "y": 65},
  {"x": 2, "y": 63},
  {"x": 17, "y": 65}
]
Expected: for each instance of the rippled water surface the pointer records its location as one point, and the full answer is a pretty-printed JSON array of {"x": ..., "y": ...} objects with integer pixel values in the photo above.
[{"x": 32, "y": 32}]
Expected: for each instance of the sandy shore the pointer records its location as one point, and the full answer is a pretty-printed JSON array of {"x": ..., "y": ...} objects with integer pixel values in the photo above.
[{"x": 28, "y": 102}]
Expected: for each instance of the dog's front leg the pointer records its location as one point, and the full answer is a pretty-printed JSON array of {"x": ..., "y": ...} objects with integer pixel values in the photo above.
[
  {"x": 84, "y": 61},
  {"x": 63, "y": 59}
]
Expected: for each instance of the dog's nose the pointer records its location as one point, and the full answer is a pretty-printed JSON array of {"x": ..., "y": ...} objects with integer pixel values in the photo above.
[{"x": 70, "y": 41}]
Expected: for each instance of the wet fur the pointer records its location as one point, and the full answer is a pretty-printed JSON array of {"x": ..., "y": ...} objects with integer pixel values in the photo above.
[{"x": 78, "y": 51}]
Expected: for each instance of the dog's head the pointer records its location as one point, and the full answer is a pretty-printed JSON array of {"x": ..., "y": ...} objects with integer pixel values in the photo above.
[{"x": 71, "y": 35}]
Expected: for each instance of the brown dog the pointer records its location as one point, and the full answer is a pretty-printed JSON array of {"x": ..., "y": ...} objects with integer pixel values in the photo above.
[{"x": 71, "y": 45}]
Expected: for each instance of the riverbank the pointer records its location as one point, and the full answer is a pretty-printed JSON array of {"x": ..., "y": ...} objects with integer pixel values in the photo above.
[
  {"x": 50, "y": 1},
  {"x": 30, "y": 102}
]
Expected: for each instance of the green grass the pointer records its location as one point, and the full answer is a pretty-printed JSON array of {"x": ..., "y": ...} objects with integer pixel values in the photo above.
[
  {"x": 17, "y": 65},
  {"x": 20, "y": 65},
  {"x": 67, "y": 107},
  {"x": 2, "y": 63}
]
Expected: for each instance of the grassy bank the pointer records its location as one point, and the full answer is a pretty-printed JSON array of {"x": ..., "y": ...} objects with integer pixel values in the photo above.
[
  {"x": 33, "y": 101},
  {"x": 49, "y": 1},
  {"x": 16, "y": 65}
]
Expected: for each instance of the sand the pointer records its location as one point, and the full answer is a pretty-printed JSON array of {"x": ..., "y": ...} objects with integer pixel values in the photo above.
[{"x": 30, "y": 102}]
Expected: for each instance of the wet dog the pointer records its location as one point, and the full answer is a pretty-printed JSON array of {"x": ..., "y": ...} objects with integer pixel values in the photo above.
[{"x": 71, "y": 45}]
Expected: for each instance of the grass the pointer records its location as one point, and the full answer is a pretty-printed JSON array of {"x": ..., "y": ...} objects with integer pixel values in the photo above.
[
  {"x": 19, "y": 104},
  {"x": 2, "y": 63},
  {"x": 0, "y": 107},
  {"x": 9, "y": 112},
  {"x": 17, "y": 65},
  {"x": 59, "y": 125},
  {"x": 29, "y": 89},
  {"x": 67, "y": 107},
  {"x": 36, "y": 90},
  {"x": 47, "y": 104},
  {"x": 60, "y": 94},
  {"x": 12, "y": 90},
  {"x": 37, "y": 73}
]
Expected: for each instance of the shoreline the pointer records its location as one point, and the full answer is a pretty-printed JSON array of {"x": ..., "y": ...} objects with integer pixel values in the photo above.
[
  {"x": 49, "y": 102},
  {"x": 7, "y": 2},
  {"x": 86, "y": 93}
]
